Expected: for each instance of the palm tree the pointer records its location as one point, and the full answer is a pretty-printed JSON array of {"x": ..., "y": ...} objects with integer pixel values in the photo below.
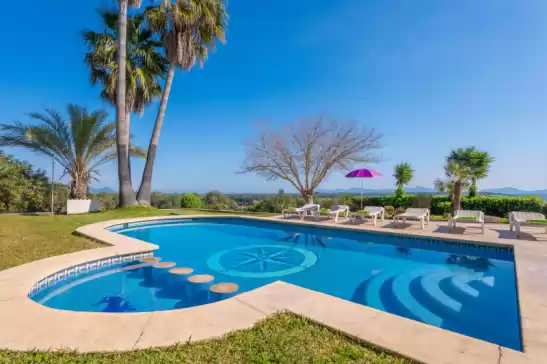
[
  {"x": 80, "y": 146},
  {"x": 144, "y": 65},
  {"x": 479, "y": 162},
  {"x": 403, "y": 174},
  {"x": 127, "y": 195},
  {"x": 187, "y": 28},
  {"x": 462, "y": 166}
]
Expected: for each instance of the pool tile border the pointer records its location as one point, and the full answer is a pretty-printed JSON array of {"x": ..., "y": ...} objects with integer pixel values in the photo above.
[{"x": 89, "y": 331}]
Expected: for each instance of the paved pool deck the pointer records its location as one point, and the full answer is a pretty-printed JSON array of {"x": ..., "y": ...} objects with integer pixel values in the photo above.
[{"x": 26, "y": 325}]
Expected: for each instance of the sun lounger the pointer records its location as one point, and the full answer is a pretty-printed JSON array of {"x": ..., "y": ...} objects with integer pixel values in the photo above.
[
  {"x": 336, "y": 210},
  {"x": 518, "y": 219},
  {"x": 373, "y": 212},
  {"x": 302, "y": 212},
  {"x": 467, "y": 216},
  {"x": 421, "y": 215}
]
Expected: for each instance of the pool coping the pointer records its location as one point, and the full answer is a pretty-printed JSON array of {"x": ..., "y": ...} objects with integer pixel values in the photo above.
[{"x": 27, "y": 325}]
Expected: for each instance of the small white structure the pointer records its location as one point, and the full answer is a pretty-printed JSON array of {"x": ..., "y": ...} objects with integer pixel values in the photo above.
[{"x": 81, "y": 206}]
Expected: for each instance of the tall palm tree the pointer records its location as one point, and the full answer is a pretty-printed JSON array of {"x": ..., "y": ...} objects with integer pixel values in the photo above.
[
  {"x": 80, "y": 145},
  {"x": 403, "y": 174},
  {"x": 144, "y": 64},
  {"x": 187, "y": 28},
  {"x": 127, "y": 195}
]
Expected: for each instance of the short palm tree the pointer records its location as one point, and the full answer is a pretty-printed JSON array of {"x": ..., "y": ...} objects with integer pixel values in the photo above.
[
  {"x": 188, "y": 29},
  {"x": 80, "y": 146},
  {"x": 403, "y": 175},
  {"x": 463, "y": 168},
  {"x": 479, "y": 163}
]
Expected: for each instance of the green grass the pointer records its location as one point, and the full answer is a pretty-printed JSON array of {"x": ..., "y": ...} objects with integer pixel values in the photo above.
[
  {"x": 24, "y": 238},
  {"x": 282, "y": 338}
]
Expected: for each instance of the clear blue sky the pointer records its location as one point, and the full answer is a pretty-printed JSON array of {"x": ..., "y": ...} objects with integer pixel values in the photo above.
[{"x": 431, "y": 75}]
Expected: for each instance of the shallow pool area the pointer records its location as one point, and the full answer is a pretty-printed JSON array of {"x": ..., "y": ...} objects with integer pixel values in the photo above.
[{"x": 466, "y": 288}]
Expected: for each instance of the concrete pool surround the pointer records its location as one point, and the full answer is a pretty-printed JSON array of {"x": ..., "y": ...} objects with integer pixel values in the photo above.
[{"x": 93, "y": 331}]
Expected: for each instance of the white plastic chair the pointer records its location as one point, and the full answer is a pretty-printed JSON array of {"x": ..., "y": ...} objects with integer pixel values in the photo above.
[
  {"x": 478, "y": 215},
  {"x": 518, "y": 219},
  {"x": 374, "y": 213},
  {"x": 421, "y": 215}
]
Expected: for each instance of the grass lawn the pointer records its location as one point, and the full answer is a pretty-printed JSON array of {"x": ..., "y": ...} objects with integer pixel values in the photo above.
[
  {"x": 24, "y": 238},
  {"x": 283, "y": 338}
]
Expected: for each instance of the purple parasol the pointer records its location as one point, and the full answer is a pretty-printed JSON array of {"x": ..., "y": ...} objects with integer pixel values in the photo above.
[{"x": 363, "y": 173}]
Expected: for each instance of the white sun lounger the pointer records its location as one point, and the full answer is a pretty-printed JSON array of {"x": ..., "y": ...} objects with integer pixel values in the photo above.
[
  {"x": 374, "y": 213},
  {"x": 421, "y": 215},
  {"x": 478, "y": 215},
  {"x": 308, "y": 209},
  {"x": 336, "y": 210},
  {"x": 518, "y": 219}
]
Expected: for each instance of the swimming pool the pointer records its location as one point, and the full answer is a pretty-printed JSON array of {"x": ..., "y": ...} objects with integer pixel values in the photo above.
[{"x": 465, "y": 288}]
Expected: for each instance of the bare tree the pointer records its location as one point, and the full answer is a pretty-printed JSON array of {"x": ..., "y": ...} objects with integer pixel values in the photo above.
[{"x": 305, "y": 153}]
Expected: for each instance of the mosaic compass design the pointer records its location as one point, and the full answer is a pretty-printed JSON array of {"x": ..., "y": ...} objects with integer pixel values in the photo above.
[{"x": 261, "y": 261}]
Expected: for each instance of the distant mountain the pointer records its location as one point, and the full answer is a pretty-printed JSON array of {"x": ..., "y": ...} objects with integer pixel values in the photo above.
[
  {"x": 102, "y": 190},
  {"x": 512, "y": 191}
]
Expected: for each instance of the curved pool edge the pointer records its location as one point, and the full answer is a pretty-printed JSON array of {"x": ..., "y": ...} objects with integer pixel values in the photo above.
[{"x": 25, "y": 324}]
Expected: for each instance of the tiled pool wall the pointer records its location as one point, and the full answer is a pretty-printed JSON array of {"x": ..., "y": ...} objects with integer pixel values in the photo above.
[
  {"x": 448, "y": 245},
  {"x": 83, "y": 268}
]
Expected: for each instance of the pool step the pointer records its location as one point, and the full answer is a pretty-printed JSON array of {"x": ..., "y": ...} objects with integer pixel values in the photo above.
[
  {"x": 401, "y": 291},
  {"x": 430, "y": 284},
  {"x": 372, "y": 297}
]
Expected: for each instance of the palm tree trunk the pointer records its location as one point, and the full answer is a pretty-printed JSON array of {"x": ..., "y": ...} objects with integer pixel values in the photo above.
[
  {"x": 127, "y": 195},
  {"x": 128, "y": 118},
  {"x": 457, "y": 195},
  {"x": 145, "y": 190}
]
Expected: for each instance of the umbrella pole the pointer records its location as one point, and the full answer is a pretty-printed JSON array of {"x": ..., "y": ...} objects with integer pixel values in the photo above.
[{"x": 362, "y": 190}]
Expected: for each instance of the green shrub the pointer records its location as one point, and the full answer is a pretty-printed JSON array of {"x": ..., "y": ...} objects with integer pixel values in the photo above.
[
  {"x": 443, "y": 207},
  {"x": 422, "y": 201},
  {"x": 501, "y": 206},
  {"x": 190, "y": 201},
  {"x": 494, "y": 206},
  {"x": 389, "y": 210}
]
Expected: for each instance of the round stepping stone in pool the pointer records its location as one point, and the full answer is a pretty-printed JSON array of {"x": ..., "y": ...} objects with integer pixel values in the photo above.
[
  {"x": 181, "y": 271},
  {"x": 164, "y": 265},
  {"x": 224, "y": 288},
  {"x": 150, "y": 260},
  {"x": 221, "y": 291},
  {"x": 201, "y": 278}
]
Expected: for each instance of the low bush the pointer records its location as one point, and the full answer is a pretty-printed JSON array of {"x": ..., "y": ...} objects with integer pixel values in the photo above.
[
  {"x": 422, "y": 201},
  {"x": 440, "y": 205},
  {"x": 501, "y": 206},
  {"x": 443, "y": 207},
  {"x": 190, "y": 201}
]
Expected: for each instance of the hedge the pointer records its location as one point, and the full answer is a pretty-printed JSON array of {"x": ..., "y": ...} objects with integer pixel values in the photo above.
[{"x": 493, "y": 206}]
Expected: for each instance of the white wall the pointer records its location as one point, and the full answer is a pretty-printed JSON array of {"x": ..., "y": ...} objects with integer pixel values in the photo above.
[{"x": 81, "y": 206}]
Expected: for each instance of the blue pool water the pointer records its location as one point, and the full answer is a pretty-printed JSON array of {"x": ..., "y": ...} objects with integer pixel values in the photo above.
[{"x": 465, "y": 288}]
